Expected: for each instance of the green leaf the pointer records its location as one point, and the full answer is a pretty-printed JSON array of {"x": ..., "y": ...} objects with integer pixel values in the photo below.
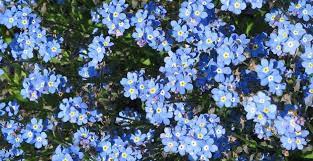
[
  {"x": 147, "y": 62},
  {"x": 249, "y": 28},
  {"x": 309, "y": 156}
]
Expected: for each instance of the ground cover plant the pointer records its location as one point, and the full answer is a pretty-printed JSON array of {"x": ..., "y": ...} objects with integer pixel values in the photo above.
[{"x": 124, "y": 80}]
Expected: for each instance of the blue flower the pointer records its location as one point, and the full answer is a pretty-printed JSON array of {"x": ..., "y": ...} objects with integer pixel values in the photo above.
[
  {"x": 257, "y": 47},
  {"x": 75, "y": 110},
  {"x": 183, "y": 84},
  {"x": 159, "y": 113},
  {"x": 41, "y": 140},
  {"x": 277, "y": 18},
  {"x": 9, "y": 18},
  {"x": 61, "y": 154},
  {"x": 308, "y": 65},
  {"x": 139, "y": 18},
  {"x": 87, "y": 72},
  {"x": 199, "y": 12},
  {"x": 208, "y": 40},
  {"x": 12, "y": 108},
  {"x": 36, "y": 125},
  {"x": 3, "y": 45},
  {"x": 129, "y": 83},
  {"x": 28, "y": 135},
  {"x": 85, "y": 138},
  {"x": 225, "y": 56},
  {"x": 290, "y": 46},
  {"x": 222, "y": 97},
  {"x": 195, "y": 137},
  {"x": 104, "y": 147},
  {"x": 235, "y": 6},
  {"x": 288, "y": 142},
  {"x": 180, "y": 32},
  {"x": 2, "y": 111},
  {"x": 221, "y": 71},
  {"x": 37, "y": 83},
  {"x": 277, "y": 88},
  {"x": 256, "y": 3},
  {"x": 263, "y": 131}
]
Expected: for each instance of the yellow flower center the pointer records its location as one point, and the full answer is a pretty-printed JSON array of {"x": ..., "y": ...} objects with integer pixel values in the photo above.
[
  {"x": 136, "y": 139},
  {"x": 223, "y": 98},
  {"x": 50, "y": 84},
  {"x": 24, "y": 22},
  {"x": 150, "y": 37},
  {"x": 105, "y": 148},
  {"x": 200, "y": 136},
  {"x": 72, "y": 113},
  {"x": 130, "y": 81},
  {"x": 113, "y": 26},
  {"x": 152, "y": 90},
  {"x": 115, "y": 14},
  {"x": 124, "y": 155},
  {"x": 290, "y": 44},
  {"x": 182, "y": 83},
  {"x": 209, "y": 41},
  {"x": 298, "y": 141},
  {"x": 298, "y": 6},
  {"x": 159, "y": 110},
  {"x": 53, "y": 49},
  {"x": 237, "y": 5},
  {"x": 197, "y": 13},
  {"x": 226, "y": 55},
  {"x": 35, "y": 126},
  {"x": 266, "y": 69},
  {"x": 131, "y": 90},
  {"x": 180, "y": 33},
  {"x": 11, "y": 20},
  {"x": 255, "y": 46}
]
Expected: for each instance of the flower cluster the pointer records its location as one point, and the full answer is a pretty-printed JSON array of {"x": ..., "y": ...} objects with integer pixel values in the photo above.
[
  {"x": 217, "y": 78},
  {"x": 237, "y": 6},
  {"x": 10, "y": 109},
  {"x": 73, "y": 110},
  {"x": 128, "y": 147},
  {"x": 113, "y": 16},
  {"x": 97, "y": 50},
  {"x": 41, "y": 82},
  {"x": 159, "y": 113},
  {"x": 148, "y": 28},
  {"x": 287, "y": 125},
  {"x": 32, "y": 38},
  {"x": 178, "y": 72},
  {"x": 301, "y": 9},
  {"x": 16, "y": 133},
  {"x": 196, "y": 137},
  {"x": 269, "y": 72}
]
